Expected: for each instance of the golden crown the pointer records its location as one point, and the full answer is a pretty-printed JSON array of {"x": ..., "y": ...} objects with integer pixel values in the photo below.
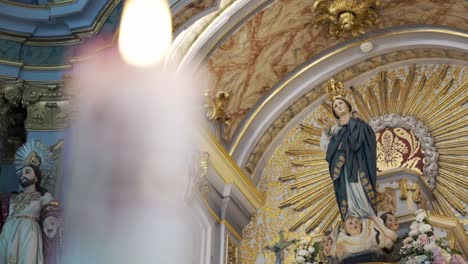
[{"x": 335, "y": 90}]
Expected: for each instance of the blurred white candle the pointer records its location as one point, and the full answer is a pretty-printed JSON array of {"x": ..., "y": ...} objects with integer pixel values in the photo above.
[
  {"x": 132, "y": 141},
  {"x": 145, "y": 32}
]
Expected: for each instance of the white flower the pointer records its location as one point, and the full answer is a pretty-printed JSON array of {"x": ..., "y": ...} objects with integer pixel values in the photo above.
[
  {"x": 420, "y": 258},
  {"x": 311, "y": 249},
  {"x": 432, "y": 245},
  {"x": 425, "y": 228},
  {"x": 419, "y": 211},
  {"x": 413, "y": 233},
  {"x": 420, "y": 217},
  {"x": 303, "y": 252},
  {"x": 414, "y": 226},
  {"x": 300, "y": 259}
]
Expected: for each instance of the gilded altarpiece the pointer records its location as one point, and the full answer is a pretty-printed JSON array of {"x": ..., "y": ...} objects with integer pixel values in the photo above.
[{"x": 432, "y": 94}]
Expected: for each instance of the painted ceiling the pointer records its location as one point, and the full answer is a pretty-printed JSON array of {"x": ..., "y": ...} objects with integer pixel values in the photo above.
[{"x": 281, "y": 37}]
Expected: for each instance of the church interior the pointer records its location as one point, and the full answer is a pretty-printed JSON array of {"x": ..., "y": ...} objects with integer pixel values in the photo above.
[{"x": 233, "y": 131}]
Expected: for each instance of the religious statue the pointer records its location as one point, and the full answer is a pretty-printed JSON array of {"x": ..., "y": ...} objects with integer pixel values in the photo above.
[
  {"x": 29, "y": 220},
  {"x": 279, "y": 247},
  {"x": 351, "y": 153},
  {"x": 352, "y": 157},
  {"x": 392, "y": 254},
  {"x": 368, "y": 236},
  {"x": 329, "y": 246}
]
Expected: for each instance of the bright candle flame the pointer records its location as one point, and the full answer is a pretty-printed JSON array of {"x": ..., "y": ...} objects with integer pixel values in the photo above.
[{"x": 145, "y": 32}]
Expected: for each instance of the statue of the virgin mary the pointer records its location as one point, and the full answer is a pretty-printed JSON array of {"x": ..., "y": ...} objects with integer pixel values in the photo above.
[{"x": 351, "y": 155}]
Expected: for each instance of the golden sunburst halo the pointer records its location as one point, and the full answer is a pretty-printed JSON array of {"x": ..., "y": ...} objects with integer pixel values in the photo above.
[{"x": 433, "y": 100}]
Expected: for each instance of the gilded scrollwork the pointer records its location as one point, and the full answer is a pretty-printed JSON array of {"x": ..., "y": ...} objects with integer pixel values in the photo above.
[
  {"x": 48, "y": 115},
  {"x": 387, "y": 200},
  {"x": 232, "y": 251},
  {"x": 216, "y": 110},
  {"x": 343, "y": 16},
  {"x": 48, "y": 106},
  {"x": 13, "y": 92},
  {"x": 403, "y": 185},
  {"x": 417, "y": 197}
]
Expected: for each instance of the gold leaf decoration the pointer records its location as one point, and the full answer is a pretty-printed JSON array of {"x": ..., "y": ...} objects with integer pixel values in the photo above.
[
  {"x": 407, "y": 94},
  {"x": 434, "y": 94}
]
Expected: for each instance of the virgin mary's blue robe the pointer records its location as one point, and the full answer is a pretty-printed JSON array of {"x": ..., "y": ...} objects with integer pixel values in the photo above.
[{"x": 351, "y": 155}]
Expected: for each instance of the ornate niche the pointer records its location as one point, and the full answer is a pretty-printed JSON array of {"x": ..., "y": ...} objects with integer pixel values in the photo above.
[
  {"x": 12, "y": 119},
  {"x": 428, "y": 119},
  {"x": 30, "y": 106}
]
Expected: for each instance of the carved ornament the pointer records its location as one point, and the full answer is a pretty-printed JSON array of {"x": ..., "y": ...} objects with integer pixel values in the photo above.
[
  {"x": 343, "y": 16},
  {"x": 430, "y": 169},
  {"x": 216, "y": 110},
  {"x": 48, "y": 106}
]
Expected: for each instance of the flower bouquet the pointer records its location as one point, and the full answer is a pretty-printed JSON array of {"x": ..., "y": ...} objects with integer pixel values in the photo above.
[
  {"x": 306, "y": 252},
  {"x": 422, "y": 246}
]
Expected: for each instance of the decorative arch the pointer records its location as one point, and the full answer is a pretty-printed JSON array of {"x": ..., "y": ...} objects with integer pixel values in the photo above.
[{"x": 305, "y": 85}]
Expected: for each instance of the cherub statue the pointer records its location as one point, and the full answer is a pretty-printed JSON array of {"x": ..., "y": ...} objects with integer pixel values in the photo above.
[
  {"x": 363, "y": 236},
  {"x": 392, "y": 223},
  {"x": 29, "y": 220}
]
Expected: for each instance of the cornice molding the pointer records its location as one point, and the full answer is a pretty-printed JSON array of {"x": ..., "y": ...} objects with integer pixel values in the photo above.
[
  {"x": 79, "y": 16},
  {"x": 229, "y": 171}
]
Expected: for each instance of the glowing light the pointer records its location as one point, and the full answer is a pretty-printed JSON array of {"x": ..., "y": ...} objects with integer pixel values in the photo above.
[{"x": 145, "y": 32}]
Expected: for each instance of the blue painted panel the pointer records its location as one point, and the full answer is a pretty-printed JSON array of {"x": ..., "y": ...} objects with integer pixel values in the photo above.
[
  {"x": 112, "y": 22},
  {"x": 49, "y": 138},
  {"x": 17, "y": 25},
  {"x": 51, "y": 30},
  {"x": 30, "y": 75},
  {"x": 43, "y": 55},
  {"x": 24, "y": 13},
  {"x": 9, "y": 181},
  {"x": 9, "y": 49},
  {"x": 85, "y": 18},
  {"x": 65, "y": 10},
  {"x": 78, "y": 15},
  {"x": 7, "y": 70}
]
